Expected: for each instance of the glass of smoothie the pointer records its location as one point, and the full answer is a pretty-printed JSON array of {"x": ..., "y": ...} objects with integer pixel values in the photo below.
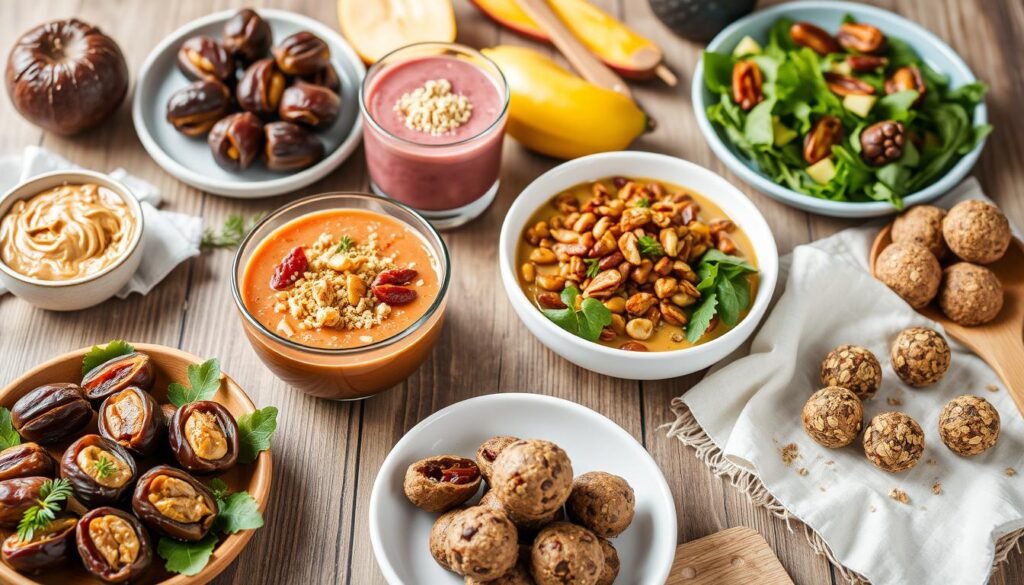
[
  {"x": 435, "y": 117},
  {"x": 342, "y": 295}
]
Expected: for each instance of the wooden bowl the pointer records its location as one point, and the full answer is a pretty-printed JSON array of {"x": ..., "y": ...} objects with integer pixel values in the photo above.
[{"x": 170, "y": 364}]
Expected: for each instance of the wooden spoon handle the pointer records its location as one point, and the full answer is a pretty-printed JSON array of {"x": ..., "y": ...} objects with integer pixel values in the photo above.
[
  {"x": 589, "y": 67},
  {"x": 1006, "y": 356}
]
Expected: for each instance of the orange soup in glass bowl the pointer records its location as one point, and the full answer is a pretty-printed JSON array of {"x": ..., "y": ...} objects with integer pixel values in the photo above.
[{"x": 342, "y": 295}]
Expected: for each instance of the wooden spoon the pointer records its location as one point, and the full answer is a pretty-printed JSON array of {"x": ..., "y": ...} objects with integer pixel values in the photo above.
[{"x": 999, "y": 342}]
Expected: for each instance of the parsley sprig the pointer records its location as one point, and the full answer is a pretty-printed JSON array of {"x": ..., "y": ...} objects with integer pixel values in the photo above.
[
  {"x": 232, "y": 233},
  {"x": 52, "y": 495},
  {"x": 343, "y": 245},
  {"x": 587, "y": 322},
  {"x": 204, "y": 381},
  {"x": 650, "y": 247},
  {"x": 593, "y": 266}
]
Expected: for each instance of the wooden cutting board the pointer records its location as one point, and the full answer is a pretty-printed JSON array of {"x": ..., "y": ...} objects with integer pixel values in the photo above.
[{"x": 737, "y": 556}]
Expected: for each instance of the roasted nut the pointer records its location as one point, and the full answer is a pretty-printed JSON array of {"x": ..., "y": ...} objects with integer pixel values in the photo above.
[
  {"x": 303, "y": 53},
  {"x": 634, "y": 217},
  {"x": 312, "y": 105},
  {"x": 665, "y": 287},
  {"x": 16, "y": 496},
  {"x": 640, "y": 329},
  {"x": 202, "y": 58},
  {"x": 813, "y": 37},
  {"x": 866, "y": 63},
  {"x": 550, "y": 300},
  {"x": 826, "y": 133},
  {"x": 628, "y": 247},
  {"x": 438, "y": 484},
  {"x": 843, "y": 85},
  {"x": 26, "y": 460},
  {"x": 882, "y": 142},
  {"x": 99, "y": 470},
  {"x": 529, "y": 272},
  {"x": 633, "y": 346},
  {"x": 543, "y": 256},
  {"x": 639, "y": 303},
  {"x": 747, "y": 84},
  {"x": 131, "y": 418},
  {"x": 551, "y": 282},
  {"x": 669, "y": 240},
  {"x": 113, "y": 545},
  {"x": 236, "y": 140},
  {"x": 672, "y": 314},
  {"x": 51, "y": 413},
  {"x": 906, "y": 78},
  {"x": 49, "y": 547},
  {"x": 204, "y": 437},
  {"x": 860, "y": 37},
  {"x": 290, "y": 147},
  {"x": 194, "y": 109},
  {"x": 326, "y": 77},
  {"x": 603, "y": 285},
  {"x": 134, "y": 369},
  {"x": 616, "y": 304},
  {"x": 247, "y": 36},
  {"x": 175, "y": 504},
  {"x": 261, "y": 87}
]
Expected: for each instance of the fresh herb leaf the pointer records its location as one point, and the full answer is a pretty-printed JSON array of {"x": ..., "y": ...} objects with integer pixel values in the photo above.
[
  {"x": 218, "y": 488},
  {"x": 204, "y": 380},
  {"x": 701, "y": 318},
  {"x": 593, "y": 266},
  {"x": 650, "y": 247},
  {"x": 186, "y": 558},
  {"x": 103, "y": 467},
  {"x": 644, "y": 202},
  {"x": 343, "y": 245},
  {"x": 52, "y": 494},
  {"x": 254, "y": 432},
  {"x": 725, "y": 291},
  {"x": 100, "y": 355},
  {"x": 238, "y": 511},
  {"x": 232, "y": 233},
  {"x": 9, "y": 437},
  {"x": 587, "y": 322}
]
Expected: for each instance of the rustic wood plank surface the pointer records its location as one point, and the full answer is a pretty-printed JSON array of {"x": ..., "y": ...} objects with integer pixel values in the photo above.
[{"x": 327, "y": 454}]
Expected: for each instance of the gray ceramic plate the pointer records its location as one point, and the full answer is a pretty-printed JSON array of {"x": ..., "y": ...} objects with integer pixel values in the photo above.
[{"x": 190, "y": 159}]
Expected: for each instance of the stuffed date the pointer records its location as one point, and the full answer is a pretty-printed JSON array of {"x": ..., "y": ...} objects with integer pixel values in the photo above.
[
  {"x": 100, "y": 470},
  {"x": 47, "y": 548},
  {"x": 113, "y": 545},
  {"x": 26, "y": 460},
  {"x": 51, "y": 413},
  {"x": 134, "y": 369},
  {"x": 133, "y": 419},
  {"x": 203, "y": 437},
  {"x": 175, "y": 504},
  {"x": 16, "y": 496}
]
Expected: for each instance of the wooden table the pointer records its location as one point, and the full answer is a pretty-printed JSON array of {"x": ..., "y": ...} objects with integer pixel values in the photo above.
[{"x": 327, "y": 454}]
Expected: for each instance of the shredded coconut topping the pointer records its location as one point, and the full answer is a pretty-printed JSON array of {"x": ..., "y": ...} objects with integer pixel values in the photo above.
[{"x": 433, "y": 108}]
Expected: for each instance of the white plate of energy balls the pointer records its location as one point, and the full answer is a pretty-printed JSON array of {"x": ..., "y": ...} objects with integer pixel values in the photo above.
[{"x": 521, "y": 489}]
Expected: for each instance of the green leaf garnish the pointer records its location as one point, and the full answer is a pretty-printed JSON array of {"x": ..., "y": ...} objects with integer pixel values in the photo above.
[
  {"x": 587, "y": 322},
  {"x": 218, "y": 488},
  {"x": 100, "y": 355},
  {"x": 644, "y": 202},
  {"x": 186, "y": 558},
  {"x": 343, "y": 245},
  {"x": 254, "y": 433},
  {"x": 650, "y": 247},
  {"x": 593, "y": 266},
  {"x": 238, "y": 511},
  {"x": 9, "y": 437},
  {"x": 724, "y": 284},
  {"x": 103, "y": 467},
  {"x": 52, "y": 494},
  {"x": 204, "y": 380},
  {"x": 232, "y": 233},
  {"x": 701, "y": 318}
]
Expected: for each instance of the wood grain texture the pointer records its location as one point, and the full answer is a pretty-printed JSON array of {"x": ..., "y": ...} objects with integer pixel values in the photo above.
[
  {"x": 735, "y": 556},
  {"x": 327, "y": 454}
]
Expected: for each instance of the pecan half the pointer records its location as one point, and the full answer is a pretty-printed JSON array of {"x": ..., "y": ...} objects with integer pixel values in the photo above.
[
  {"x": 904, "y": 78},
  {"x": 844, "y": 85},
  {"x": 747, "y": 84},
  {"x": 639, "y": 303},
  {"x": 827, "y": 131},
  {"x": 860, "y": 37},
  {"x": 865, "y": 63},
  {"x": 603, "y": 285},
  {"x": 813, "y": 37},
  {"x": 550, "y": 300},
  {"x": 628, "y": 246}
]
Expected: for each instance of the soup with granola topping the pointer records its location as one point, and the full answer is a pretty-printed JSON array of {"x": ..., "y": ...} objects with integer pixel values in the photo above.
[{"x": 638, "y": 265}]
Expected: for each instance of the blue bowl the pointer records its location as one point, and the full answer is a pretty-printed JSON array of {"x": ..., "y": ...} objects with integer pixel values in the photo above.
[{"x": 829, "y": 15}]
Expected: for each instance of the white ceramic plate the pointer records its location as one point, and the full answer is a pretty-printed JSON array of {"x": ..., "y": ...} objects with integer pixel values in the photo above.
[
  {"x": 190, "y": 159},
  {"x": 399, "y": 531}
]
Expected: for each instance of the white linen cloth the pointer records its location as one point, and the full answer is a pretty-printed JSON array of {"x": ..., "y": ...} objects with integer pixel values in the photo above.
[
  {"x": 750, "y": 408},
  {"x": 169, "y": 239}
]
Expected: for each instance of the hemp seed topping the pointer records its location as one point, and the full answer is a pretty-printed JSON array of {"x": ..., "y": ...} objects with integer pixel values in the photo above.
[{"x": 433, "y": 108}]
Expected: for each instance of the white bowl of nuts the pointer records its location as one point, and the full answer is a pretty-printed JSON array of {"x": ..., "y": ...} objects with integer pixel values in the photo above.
[{"x": 637, "y": 265}]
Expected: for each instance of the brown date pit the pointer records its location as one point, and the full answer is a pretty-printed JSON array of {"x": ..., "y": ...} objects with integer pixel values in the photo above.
[
  {"x": 134, "y": 369},
  {"x": 113, "y": 545},
  {"x": 51, "y": 413},
  {"x": 247, "y": 36},
  {"x": 290, "y": 147},
  {"x": 26, "y": 460},
  {"x": 175, "y": 504},
  {"x": 202, "y": 58},
  {"x": 303, "y": 53},
  {"x": 236, "y": 141},
  {"x": 48, "y": 548},
  {"x": 194, "y": 109}
]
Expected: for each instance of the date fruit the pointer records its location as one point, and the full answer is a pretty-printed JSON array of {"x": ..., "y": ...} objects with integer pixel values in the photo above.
[
  {"x": 48, "y": 548},
  {"x": 393, "y": 294},
  {"x": 26, "y": 460},
  {"x": 438, "y": 484},
  {"x": 311, "y": 105},
  {"x": 290, "y": 147},
  {"x": 259, "y": 91},
  {"x": 289, "y": 269},
  {"x": 326, "y": 77},
  {"x": 247, "y": 36},
  {"x": 827, "y": 132},
  {"x": 303, "y": 53},
  {"x": 131, "y": 418},
  {"x": 906, "y": 78},
  {"x": 51, "y": 413},
  {"x": 202, "y": 58},
  {"x": 860, "y": 37},
  {"x": 814, "y": 37},
  {"x": 204, "y": 437},
  {"x": 16, "y": 496},
  {"x": 236, "y": 141},
  {"x": 194, "y": 109},
  {"x": 747, "y": 84},
  {"x": 394, "y": 276},
  {"x": 175, "y": 504},
  {"x": 100, "y": 470},
  {"x": 134, "y": 369},
  {"x": 113, "y": 545}
]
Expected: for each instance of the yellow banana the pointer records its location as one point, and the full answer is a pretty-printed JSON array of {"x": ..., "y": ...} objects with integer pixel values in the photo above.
[{"x": 559, "y": 114}]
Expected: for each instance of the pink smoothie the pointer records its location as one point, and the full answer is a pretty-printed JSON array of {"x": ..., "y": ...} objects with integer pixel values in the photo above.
[{"x": 426, "y": 171}]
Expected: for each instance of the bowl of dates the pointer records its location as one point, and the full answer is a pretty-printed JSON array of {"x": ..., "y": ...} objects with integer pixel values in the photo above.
[{"x": 250, "y": 103}]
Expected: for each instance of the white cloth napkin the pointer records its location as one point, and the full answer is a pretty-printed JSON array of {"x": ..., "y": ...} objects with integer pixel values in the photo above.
[
  {"x": 751, "y": 408},
  {"x": 170, "y": 238}
]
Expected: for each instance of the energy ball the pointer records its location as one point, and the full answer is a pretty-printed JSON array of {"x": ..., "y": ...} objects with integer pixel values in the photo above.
[
  {"x": 438, "y": 484},
  {"x": 439, "y": 537},
  {"x": 893, "y": 442},
  {"x": 920, "y": 356},
  {"x": 532, "y": 479},
  {"x": 482, "y": 544},
  {"x": 565, "y": 554},
  {"x": 969, "y": 425},
  {"x": 852, "y": 367},
  {"x": 970, "y": 294},
  {"x": 833, "y": 417},
  {"x": 489, "y": 451},
  {"x": 601, "y": 502},
  {"x": 519, "y": 575},
  {"x": 921, "y": 224},
  {"x": 976, "y": 231},
  {"x": 911, "y": 271},
  {"x": 611, "y": 563},
  {"x": 490, "y": 500}
]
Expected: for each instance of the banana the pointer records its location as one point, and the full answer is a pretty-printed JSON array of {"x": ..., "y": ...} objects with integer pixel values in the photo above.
[{"x": 559, "y": 114}]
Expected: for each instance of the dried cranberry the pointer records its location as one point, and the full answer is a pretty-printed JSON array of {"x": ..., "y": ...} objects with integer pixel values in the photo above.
[
  {"x": 396, "y": 276},
  {"x": 289, "y": 270},
  {"x": 394, "y": 295}
]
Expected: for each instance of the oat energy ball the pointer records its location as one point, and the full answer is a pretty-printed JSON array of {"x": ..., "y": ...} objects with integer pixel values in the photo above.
[
  {"x": 489, "y": 451},
  {"x": 519, "y": 575},
  {"x": 566, "y": 554},
  {"x": 532, "y": 479},
  {"x": 602, "y": 502},
  {"x": 970, "y": 294},
  {"x": 527, "y": 527},
  {"x": 893, "y": 442},
  {"x": 911, "y": 271},
  {"x": 852, "y": 367},
  {"x": 920, "y": 356},
  {"x": 482, "y": 544},
  {"x": 921, "y": 224},
  {"x": 833, "y": 417},
  {"x": 976, "y": 231},
  {"x": 439, "y": 537},
  {"x": 969, "y": 425},
  {"x": 611, "y": 563},
  {"x": 438, "y": 484}
]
